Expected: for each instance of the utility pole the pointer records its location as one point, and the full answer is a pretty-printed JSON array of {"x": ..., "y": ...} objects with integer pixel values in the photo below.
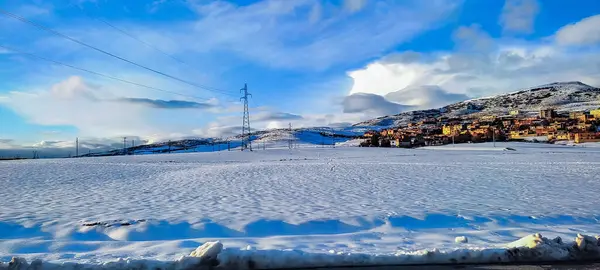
[
  {"x": 246, "y": 141},
  {"x": 124, "y": 145},
  {"x": 494, "y": 136},
  {"x": 290, "y": 139},
  {"x": 452, "y": 139},
  {"x": 76, "y": 146},
  {"x": 333, "y": 137},
  {"x": 228, "y": 145}
]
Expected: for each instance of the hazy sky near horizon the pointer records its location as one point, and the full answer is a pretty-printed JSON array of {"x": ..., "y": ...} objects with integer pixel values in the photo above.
[{"x": 308, "y": 62}]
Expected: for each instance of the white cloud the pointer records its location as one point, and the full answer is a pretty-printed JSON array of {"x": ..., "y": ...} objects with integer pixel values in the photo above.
[
  {"x": 223, "y": 128},
  {"x": 518, "y": 16},
  {"x": 371, "y": 104},
  {"x": 97, "y": 111},
  {"x": 218, "y": 129},
  {"x": 480, "y": 66},
  {"x": 584, "y": 32},
  {"x": 424, "y": 97}
]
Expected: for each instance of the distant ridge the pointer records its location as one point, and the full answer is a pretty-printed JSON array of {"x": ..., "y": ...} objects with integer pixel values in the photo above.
[{"x": 562, "y": 96}]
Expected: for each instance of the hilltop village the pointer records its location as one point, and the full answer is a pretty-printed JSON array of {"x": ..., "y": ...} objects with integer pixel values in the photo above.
[{"x": 547, "y": 125}]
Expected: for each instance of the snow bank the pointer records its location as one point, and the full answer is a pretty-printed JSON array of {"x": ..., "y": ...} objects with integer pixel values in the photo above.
[
  {"x": 349, "y": 143},
  {"x": 182, "y": 263},
  {"x": 529, "y": 249},
  {"x": 536, "y": 139},
  {"x": 572, "y": 143},
  {"x": 466, "y": 147}
]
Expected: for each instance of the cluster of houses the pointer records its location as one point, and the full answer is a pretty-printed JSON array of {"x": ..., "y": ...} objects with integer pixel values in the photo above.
[{"x": 547, "y": 125}]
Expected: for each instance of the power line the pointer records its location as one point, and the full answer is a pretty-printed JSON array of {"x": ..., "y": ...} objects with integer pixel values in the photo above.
[
  {"x": 42, "y": 27},
  {"x": 141, "y": 41},
  {"x": 122, "y": 31},
  {"x": 95, "y": 73}
]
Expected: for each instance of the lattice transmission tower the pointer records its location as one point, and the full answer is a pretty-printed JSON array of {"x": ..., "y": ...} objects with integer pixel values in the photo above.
[{"x": 246, "y": 142}]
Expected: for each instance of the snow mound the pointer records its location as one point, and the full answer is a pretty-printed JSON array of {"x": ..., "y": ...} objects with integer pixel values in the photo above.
[{"x": 529, "y": 249}]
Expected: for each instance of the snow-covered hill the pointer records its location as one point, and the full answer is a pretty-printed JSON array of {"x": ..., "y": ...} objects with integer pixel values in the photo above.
[
  {"x": 273, "y": 138},
  {"x": 562, "y": 96}
]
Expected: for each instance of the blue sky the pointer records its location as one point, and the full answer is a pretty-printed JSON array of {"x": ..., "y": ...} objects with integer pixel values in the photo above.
[{"x": 308, "y": 62}]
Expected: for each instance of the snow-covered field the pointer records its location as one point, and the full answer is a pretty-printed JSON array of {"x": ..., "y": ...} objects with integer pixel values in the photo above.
[{"x": 323, "y": 200}]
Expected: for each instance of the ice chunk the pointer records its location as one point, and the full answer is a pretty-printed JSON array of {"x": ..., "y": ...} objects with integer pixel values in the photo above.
[
  {"x": 461, "y": 239},
  {"x": 208, "y": 251},
  {"x": 587, "y": 243},
  {"x": 18, "y": 263},
  {"x": 558, "y": 240},
  {"x": 530, "y": 241}
]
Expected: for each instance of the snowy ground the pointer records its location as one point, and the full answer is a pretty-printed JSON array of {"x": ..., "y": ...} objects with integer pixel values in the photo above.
[{"x": 320, "y": 200}]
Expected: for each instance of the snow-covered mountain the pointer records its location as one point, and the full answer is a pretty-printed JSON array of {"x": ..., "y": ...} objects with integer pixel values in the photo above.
[{"x": 561, "y": 96}]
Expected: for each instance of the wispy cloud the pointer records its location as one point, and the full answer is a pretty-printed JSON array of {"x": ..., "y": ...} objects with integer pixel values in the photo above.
[
  {"x": 167, "y": 104},
  {"x": 338, "y": 38},
  {"x": 518, "y": 16},
  {"x": 276, "y": 116},
  {"x": 155, "y": 5},
  {"x": 6, "y": 141},
  {"x": 354, "y": 5},
  {"x": 51, "y": 132},
  {"x": 39, "y": 9},
  {"x": 217, "y": 129}
]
